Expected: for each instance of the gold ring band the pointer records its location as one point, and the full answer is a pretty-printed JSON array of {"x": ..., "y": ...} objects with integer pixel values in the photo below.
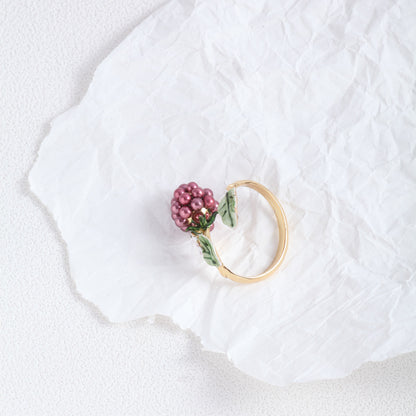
[{"x": 283, "y": 235}]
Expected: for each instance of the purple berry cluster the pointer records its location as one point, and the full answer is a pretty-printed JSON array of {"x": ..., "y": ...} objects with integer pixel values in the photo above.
[{"x": 190, "y": 203}]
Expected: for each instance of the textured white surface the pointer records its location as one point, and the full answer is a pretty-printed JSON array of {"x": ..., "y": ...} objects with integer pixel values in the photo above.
[
  {"x": 314, "y": 103},
  {"x": 58, "y": 357}
]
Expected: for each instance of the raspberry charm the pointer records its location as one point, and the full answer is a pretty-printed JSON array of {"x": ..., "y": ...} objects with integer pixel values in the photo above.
[{"x": 194, "y": 208}]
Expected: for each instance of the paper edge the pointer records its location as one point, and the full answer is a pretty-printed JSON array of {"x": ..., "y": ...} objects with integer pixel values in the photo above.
[{"x": 102, "y": 316}]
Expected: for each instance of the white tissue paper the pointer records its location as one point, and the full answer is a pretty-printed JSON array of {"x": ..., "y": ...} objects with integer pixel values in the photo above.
[{"x": 313, "y": 99}]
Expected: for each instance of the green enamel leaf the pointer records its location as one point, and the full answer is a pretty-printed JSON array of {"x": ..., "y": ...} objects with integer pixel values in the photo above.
[
  {"x": 204, "y": 224},
  {"x": 212, "y": 219},
  {"x": 227, "y": 210},
  {"x": 208, "y": 251}
]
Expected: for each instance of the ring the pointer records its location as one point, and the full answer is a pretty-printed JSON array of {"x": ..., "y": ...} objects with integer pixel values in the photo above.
[{"x": 194, "y": 210}]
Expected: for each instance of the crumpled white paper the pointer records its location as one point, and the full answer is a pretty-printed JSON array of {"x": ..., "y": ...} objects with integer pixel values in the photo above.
[{"x": 313, "y": 99}]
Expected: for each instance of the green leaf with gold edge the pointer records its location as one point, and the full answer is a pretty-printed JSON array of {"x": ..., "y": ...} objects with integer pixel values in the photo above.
[
  {"x": 208, "y": 251},
  {"x": 227, "y": 210}
]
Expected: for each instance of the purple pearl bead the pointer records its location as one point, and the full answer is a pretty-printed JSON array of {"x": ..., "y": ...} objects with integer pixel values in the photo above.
[
  {"x": 209, "y": 201},
  {"x": 180, "y": 222},
  {"x": 185, "y": 212},
  {"x": 212, "y": 227},
  {"x": 215, "y": 207},
  {"x": 197, "y": 204},
  {"x": 173, "y": 201},
  {"x": 175, "y": 208},
  {"x": 174, "y": 216},
  {"x": 185, "y": 198},
  {"x": 178, "y": 193},
  {"x": 197, "y": 193},
  {"x": 208, "y": 191},
  {"x": 193, "y": 185},
  {"x": 184, "y": 227},
  {"x": 196, "y": 215},
  {"x": 187, "y": 188}
]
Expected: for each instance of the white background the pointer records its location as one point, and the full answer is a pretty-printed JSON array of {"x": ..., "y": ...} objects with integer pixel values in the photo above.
[{"x": 58, "y": 355}]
